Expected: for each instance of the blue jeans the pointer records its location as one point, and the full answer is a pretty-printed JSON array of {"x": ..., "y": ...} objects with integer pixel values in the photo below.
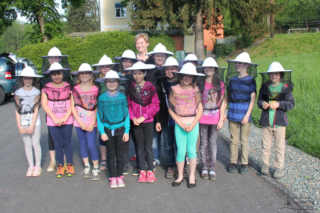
[
  {"x": 169, "y": 145},
  {"x": 61, "y": 136},
  {"x": 88, "y": 141}
]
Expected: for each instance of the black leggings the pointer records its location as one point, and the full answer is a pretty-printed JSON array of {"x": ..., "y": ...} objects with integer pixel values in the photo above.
[
  {"x": 115, "y": 149},
  {"x": 50, "y": 141},
  {"x": 143, "y": 135},
  {"x": 126, "y": 146}
]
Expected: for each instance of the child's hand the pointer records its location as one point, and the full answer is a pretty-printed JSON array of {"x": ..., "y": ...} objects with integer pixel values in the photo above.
[
  {"x": 190, "y": 127},
  {"x": 104, "y": 137},
  {"x": 135, "y": 122},
  {"x": 183, "y": 126},
  {"x": 83, "y": 126},
  {"x": 224, "y": 118},
  {"x": 125, "y": 137},
  {"x": 245, "y": 120},
  {"x": 265, "y": 105},
  {"x": 56, "y": 121},
  {"x": 158, "y": 127},
  {"x": 274, "y": 105},
  {"x": 220, "y": 124},
  {"x": 90, "y": 127},
  {"x": 21, "y": 130},
  {"x": 141, "y": 119},
  {"x": 30, "y": 129},
  {"x": 63, "y": 120}
]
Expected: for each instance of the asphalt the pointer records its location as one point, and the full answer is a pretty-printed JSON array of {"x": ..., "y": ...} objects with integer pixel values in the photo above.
[{"x": 46, "y": 193}]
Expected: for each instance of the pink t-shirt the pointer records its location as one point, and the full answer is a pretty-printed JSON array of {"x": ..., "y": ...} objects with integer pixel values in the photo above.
[
  {"x": 211, "y": 104},
  {"x": 58, "y": 101},
  {"x": 87, "y": 100},
  {"x": 184, "y": 102}
]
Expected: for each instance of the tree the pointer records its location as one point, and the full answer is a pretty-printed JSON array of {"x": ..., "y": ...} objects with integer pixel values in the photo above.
[
  {"x": 13, "y": 39},
  {"x": 7, "y": 17},
  {"x": 39, "y": 11}
]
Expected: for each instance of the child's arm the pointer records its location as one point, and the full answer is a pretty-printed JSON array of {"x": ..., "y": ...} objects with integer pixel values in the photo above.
[
  {"x": 45, "y": 107},
  {"x": 131, "y": 114},
  {"x": 223, "y": 108},
  {"x": 262, "y": 104},
  {"x": 18, "y": 119},
  {"x": 125, "y": 137},
  {"x": 198, "y": 114},
  {"x": 174, "y": 116},
  {"x": 287, "y": 104},
  {"x": 75, "y": 115},
  {"x": 104, "y": 136},
  {"x": 64, "y": 118},
  {"x": 245, "y": 119},
  {"x": 94, "y": 119},
  {"x": 152, "y": 110}
]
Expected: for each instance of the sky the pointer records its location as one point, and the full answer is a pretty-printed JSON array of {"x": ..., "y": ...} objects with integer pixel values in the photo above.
[{"x": 60, "y": 10}]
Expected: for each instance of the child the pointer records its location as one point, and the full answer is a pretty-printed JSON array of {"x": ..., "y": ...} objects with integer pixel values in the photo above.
[
  {"x": 164, "y": 122},
  {"x": 127, "y": 59},
  {"x": 105, "y": 65},
  {"x": 212, "y": 97},
  {"x": 83, "y": 107},
  {"x": 54, "y": 55},
  {"x": 114, "y": 125},
  {"x": 275, "y": 99},
  {"x": 241, "y": 98},
  {"x": 27, "y": 101},
  {"x": 55, "y": 101},
  {"x": 186, "y": 110},
  {"x": 143, "y": 105},
  {"x": 159, "y": 54}
]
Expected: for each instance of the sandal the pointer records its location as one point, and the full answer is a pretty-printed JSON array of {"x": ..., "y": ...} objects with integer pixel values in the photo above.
[
  {"x": 37, "y": 171},
  {"x": 205, "y": 175},
  {"x": 103, "y": 165},
  {"x": 30, "y": 171}
]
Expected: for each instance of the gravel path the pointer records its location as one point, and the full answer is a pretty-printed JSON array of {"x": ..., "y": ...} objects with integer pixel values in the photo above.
[{"x": 302, "y": 171}]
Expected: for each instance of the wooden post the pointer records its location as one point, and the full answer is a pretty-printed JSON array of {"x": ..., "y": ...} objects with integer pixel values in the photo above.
[{"x": 272, "y": 22}]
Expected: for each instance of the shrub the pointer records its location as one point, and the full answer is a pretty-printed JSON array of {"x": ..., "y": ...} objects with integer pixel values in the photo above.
[
  {"x": 92, "y": 47},
  {"x": 245, "y": 41},
  {"x": 223, "y": 50}
]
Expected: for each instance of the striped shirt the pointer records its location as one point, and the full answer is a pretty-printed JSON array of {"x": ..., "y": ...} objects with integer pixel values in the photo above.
[{"x": 239, "y": 96}]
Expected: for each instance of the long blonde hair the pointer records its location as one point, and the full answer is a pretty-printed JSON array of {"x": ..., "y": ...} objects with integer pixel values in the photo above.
[{"x": 91, "y": 82}]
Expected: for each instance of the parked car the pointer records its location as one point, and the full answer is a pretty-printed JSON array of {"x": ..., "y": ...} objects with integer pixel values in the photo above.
[
  {"x": 28, "y": 63},
  {"x": 8, "y": 69}
]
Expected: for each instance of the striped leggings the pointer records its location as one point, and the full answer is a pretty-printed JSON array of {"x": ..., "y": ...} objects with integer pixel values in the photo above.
[{"x": 32, "y": 145}]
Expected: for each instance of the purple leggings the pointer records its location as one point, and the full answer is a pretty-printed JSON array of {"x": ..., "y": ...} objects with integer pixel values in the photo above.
[{"x": 208, "y": 145}]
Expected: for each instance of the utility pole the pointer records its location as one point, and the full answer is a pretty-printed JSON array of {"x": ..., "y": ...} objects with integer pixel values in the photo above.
[{"x": 272, "y": 22}]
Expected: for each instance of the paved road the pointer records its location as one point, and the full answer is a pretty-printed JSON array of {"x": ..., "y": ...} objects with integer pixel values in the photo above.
[{"x": 229, "y": 193}]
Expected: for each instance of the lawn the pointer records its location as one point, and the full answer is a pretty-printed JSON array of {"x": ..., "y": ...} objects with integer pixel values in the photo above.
[{"x": 300, "y": 52}]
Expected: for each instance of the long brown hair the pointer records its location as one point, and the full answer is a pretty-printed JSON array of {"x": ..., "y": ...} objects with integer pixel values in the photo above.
[
  {"x": 193, "y": 83},
  {"x": 35, "y": 83},
  {"x": 216, "y": 83},
  {"x": 91, "y": 80}
]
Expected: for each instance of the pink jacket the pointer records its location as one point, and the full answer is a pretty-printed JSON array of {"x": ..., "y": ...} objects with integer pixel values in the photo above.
[{"x": 148, "y": 112}]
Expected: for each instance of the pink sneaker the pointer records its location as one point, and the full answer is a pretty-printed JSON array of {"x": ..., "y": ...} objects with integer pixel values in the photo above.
[
  {"x": 30, "y": 171},
  {"x": 142, "y": 177},
  {"x": 37, "y": 171},
  {"x": 113, "y": 183},
  {"x": 120, "y": 182},
  {"x": 150, "y": 177}
]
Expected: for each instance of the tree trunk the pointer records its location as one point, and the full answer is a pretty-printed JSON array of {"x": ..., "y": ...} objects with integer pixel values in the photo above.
[
  {"x": 198, "y": 30},
  {"x": 41, "y": 24}
]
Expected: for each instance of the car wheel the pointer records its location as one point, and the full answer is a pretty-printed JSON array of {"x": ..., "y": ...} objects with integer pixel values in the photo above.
[{"x": 2, "y": 95}]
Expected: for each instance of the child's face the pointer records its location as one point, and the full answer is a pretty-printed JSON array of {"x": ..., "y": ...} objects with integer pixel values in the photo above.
[
  {"x": 53, "y": 59},
  {"x": 187, "y": 80},
  {"x": 138, "y": 76},
  {"x": 169, "y": 71},
  {"x": 105, "y": 68},
  {"x": 57, "y": 76},
  {"x": 159, "y": 58},
  {"x": 126, "y": 63},
  {"x": 112, "y": 84},
  {"x": 275, "y": 77},
  {"x": 209, "y": 71},
  {"x": 27, "y": 81},
  {"x": 241, "y": 66},
  {"x": 85, "y": 76},
  {"x": 142, "y": 45}
]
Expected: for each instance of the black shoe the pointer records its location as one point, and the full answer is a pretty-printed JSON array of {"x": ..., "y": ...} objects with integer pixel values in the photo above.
[
  {"x": 171, "y": 172},
  {"x": 135, "y": 171},
  {"x": 125, "y": 170},
  {"x": 243, "y": 169},
  {"x": 232, "y": 168},
  {"x": 176, "y": 184},
  {"x": 192, "y": 185}
]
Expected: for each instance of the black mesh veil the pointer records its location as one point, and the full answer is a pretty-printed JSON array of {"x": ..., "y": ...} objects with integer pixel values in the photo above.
[
  {"x": 141, "y": 95},
  {"x": 57, "y": 94},
  {"x": 285, "y": 80},
  {"x": 26, "y": 104},
  {"x": 232, "y": 71},
  {"x": 219, "y": 73},
  {"x": 85, "y": 100},
  {"x": 113, "y": 111}
]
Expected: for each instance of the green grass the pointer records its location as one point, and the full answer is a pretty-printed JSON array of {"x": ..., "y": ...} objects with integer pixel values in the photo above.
[{"x": 300, "y": 52}]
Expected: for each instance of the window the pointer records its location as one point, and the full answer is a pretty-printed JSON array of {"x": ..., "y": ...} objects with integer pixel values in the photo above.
[
  {"x": 134, "y": 7},
  {"x": 121, "y": 12}
]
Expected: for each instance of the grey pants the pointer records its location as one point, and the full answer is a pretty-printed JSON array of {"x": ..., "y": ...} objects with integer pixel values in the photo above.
[
  {"x": 32, "y": 145},
  {"x": 208, "y": 145}
]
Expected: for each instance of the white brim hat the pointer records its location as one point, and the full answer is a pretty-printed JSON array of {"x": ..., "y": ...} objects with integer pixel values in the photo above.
[
  {"x": 160, "y": 48},
  {"x": 242, "y": 58},
  {"x": 84, "y": 67},
  {"x": 191, "y": 58},
  {"x": 110, "y": 75},
  {"x": 105, "y": 60},
  {"x": 210, "y": 62},
  {"x": 128, "y": 54},
  {"x": 54, "y": 52},
  {"x": 171, "y": 61},
  {"x": 55, "y": 67},
  {"x": 189, "y": 69},
  {"x": 275, "y": 67},
  {"x": 28, "y": 72},
  {"x": 141, "y": 66}
]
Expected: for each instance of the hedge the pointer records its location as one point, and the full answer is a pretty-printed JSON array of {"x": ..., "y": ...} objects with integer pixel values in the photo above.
[{"x": 92, "y": 47}]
